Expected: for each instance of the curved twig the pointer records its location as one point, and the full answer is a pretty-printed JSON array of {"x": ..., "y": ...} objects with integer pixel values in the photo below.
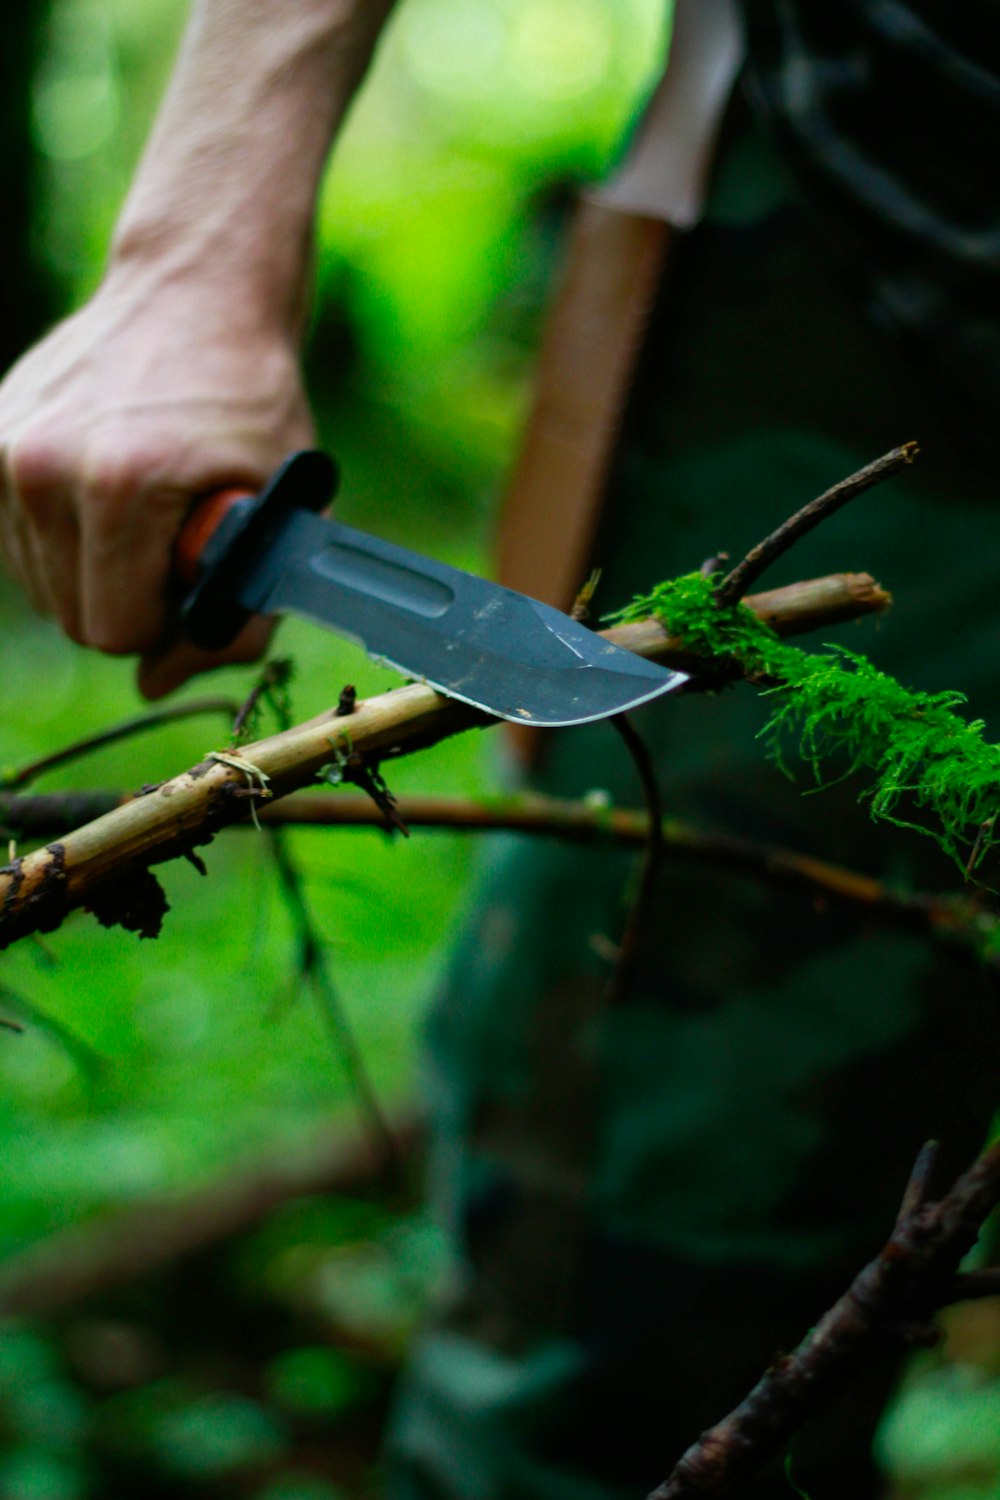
[
  {"x": 653, "y": 848},
  {"x": 11, "y": 781},
  {"x": 735, "y": 584},
  {"x": 890, "y": 1301}
]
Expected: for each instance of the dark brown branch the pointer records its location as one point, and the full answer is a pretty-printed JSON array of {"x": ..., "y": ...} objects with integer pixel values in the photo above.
[
  {"x": 735, "y": 584},
  {"x": 918, "y": 1189},
  {"x": 128, "y": 729},
  {"x": 347, "y": 701},
  {"x": 896, "y": 1293},
  {"x": 959, "y": 921},
  {"x": 374, "y": 785},
  {"x": 48, "y": 815}
]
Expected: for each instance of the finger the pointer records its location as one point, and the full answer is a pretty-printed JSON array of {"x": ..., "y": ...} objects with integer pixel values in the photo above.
[
  {"x": 40, "y": 535},
  {"x": 161, "y": 672},
  {"x": 132, "y": 504},
  {"x": 52, "y": 556},
  {"x": 125, "y": 548}
]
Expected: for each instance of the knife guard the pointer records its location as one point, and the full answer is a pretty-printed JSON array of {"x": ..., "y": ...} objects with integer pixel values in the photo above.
[{"x": 228, "y": 531}]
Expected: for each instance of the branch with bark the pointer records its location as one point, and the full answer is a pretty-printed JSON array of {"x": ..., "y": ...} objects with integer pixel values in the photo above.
[
  {"x": 889, "y": 1305},
  {"x": 105, "y": 865},
  {"x": 958, "y": 920},
  {"x": 735, "y": 584}
]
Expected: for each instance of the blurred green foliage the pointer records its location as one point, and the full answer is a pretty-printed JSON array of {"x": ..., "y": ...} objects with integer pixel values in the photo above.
[
  {"x": 146, "y": 1069},
  {"x": 188, "y": 1053}
]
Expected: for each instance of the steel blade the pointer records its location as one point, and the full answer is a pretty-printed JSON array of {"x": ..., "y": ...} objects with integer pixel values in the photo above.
[{"x": 467, "y": 637}]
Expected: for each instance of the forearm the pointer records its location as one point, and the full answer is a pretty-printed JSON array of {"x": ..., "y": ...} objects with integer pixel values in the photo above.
[
  {"x": 181, "y": 375},
  {"x": 228, "y": 182}
]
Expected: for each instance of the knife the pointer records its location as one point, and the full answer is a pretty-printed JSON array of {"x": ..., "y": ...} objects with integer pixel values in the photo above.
[{"x": 240, "y": 554}]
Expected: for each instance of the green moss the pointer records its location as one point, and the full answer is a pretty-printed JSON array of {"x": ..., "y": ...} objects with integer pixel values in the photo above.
[{"x": 928, "y": 768}]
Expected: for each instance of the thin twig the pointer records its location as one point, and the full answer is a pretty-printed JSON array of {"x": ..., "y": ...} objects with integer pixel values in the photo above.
[
  {"x": 90, "y": 1062},
  {"x": 314, "y": 968},
  {"x": 275, "y": 675},
  {"x": 735, "y": 584},
  {"x": 374, "y": 785},
  {"x": 347, "y": 701},
  {"x": 581, "y": 604},
  {"x": 621, "y": 976},
  {"x": 918, "y": 1188},
  {"x": 713, "y": 564},
  {"x": 890, "y": 1301},
  {"x": 12, "y": 780}
]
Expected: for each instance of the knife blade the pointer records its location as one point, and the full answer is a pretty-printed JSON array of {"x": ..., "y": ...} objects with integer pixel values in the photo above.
[{"x": 471, "y": 639}]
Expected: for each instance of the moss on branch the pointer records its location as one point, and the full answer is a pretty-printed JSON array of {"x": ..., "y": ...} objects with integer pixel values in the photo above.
[{"x": 929, "y": 768}]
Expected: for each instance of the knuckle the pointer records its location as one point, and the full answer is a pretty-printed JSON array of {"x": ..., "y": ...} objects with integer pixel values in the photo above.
[
  {"x": 36, "y": 468},
  {"x": 113, "y": 474}
]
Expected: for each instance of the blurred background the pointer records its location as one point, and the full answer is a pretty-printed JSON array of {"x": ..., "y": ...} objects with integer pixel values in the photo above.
[{"x": 197, "y": 1311}]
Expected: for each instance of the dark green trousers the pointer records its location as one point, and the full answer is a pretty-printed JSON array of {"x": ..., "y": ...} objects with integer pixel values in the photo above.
[{"x": 648, "y": 1203}]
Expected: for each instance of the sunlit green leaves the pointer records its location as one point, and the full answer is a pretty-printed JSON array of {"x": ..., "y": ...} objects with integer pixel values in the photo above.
[{"x": 942, "y": 1435}]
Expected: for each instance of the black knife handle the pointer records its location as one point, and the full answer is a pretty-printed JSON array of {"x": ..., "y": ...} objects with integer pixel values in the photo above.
[{"x": 228, "y": 531}]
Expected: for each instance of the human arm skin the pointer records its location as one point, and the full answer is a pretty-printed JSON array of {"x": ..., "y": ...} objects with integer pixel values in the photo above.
[{"x": 181, "y": 374}]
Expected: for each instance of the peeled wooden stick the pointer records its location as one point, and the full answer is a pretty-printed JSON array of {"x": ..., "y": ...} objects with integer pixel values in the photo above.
[{"x": 102, "y": 864}]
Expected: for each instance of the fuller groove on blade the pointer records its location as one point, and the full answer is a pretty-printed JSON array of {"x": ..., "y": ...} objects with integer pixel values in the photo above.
[{"x": 467, "y": 637}]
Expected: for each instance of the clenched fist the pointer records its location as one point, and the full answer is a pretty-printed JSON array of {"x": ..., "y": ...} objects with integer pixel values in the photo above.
[{"x": 155, "y": 393}]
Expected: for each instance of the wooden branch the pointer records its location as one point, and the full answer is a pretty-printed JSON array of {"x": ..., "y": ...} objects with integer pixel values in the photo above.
[
  {"x": 888, "y": 1304},
  {"x": 815, "y": 604},
  {"x": 957, "y": 920},
  {"x": 48, "y": 815},
  {"x": 89, "y": 1259},
  {"x": 960, "y": 921},
  {"x": 102, "y": 865},
  {"x": 735, "y": 584}
]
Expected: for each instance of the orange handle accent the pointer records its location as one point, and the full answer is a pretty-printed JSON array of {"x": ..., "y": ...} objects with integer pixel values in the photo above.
[{"x": 199, "y": 525}]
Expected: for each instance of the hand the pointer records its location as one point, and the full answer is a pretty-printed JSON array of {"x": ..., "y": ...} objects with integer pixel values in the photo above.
[{"x": 158, "y": 391}]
